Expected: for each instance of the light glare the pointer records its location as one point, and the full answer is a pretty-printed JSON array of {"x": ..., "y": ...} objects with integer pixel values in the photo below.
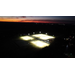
[
  {"x": 43, "y": 36},
  {"x": 39, "y": 35},
  {"x": 39, "y": 44},
  {"x": 27, "y": 38}
]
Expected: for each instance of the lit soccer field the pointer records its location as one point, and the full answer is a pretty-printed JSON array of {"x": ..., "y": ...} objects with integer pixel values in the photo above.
[
  {"x": 26, "y": 38},
  {"x": 39, "y": 44},
  {"x": 43, "y": 36},
  {"x": 37, "y": 40}
]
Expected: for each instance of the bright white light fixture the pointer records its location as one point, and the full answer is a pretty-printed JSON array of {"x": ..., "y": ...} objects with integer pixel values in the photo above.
[
  {"x": 46, "y": 37},
  {"x": 39, "y": 35},
  {"x": 39, "y": 44},
  {"x": 26, "y": 38},
  {"x": 43, "y": 36}
]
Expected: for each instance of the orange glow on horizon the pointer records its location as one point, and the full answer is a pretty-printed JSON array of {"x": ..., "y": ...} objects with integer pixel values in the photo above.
[
  {"x": 25, "y": 20},
  {"x": 8, "y": 20}
]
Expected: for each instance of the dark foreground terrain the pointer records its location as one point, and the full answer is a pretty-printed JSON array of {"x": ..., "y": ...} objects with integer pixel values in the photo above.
[{"x": 62, "y": 47}]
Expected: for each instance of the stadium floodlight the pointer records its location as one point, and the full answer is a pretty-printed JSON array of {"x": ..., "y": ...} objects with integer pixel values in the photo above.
[
  {"x": 40, "y": 32},
  {"x": 33, "y": 32},
  {"x": 46, "y": 33},
  {"x": 39, "y": 44},
  {"x": 28, "y": 33},
  {"x": 43, "y": 36},
  {"x": 39, "y": 35},
  {"x": 26, "y": 38},
  {"x": 46, "y": 37}
]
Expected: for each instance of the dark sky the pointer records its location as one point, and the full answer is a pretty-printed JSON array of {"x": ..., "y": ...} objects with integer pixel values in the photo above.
[{"x": 39, "y": 19}]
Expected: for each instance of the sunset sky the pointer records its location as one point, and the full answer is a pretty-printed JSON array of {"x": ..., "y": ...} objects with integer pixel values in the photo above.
[{"x": 38, "y": 19}]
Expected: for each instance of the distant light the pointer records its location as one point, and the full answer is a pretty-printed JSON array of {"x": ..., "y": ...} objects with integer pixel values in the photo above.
[
  {"x": 46, "y": 33},
  {"x": 26, "y": 38},
  {"x": 40, "y": 32},
  {"x": 28, "y": 33},
  {"x": 33, "y": 32},
  {"x": 39, "y": 44}
]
